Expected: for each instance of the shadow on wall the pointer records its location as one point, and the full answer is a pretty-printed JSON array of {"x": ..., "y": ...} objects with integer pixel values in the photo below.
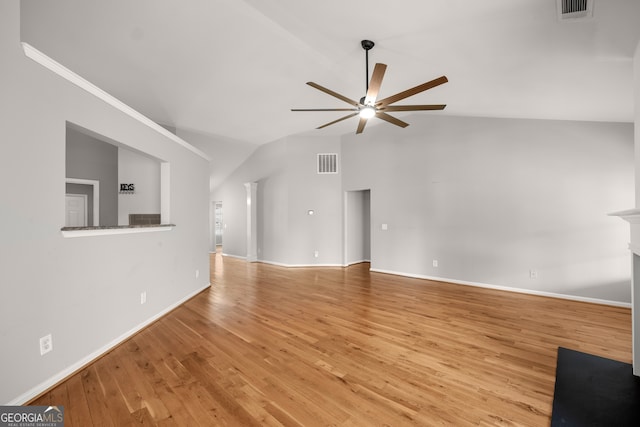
[{"x": 615, "y": 290}]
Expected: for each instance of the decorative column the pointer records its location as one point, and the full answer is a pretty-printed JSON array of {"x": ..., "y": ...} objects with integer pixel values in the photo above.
[{"x": 252, "y": 222}]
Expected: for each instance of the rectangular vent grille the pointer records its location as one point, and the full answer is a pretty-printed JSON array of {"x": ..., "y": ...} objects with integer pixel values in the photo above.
[
  {"x": 572, "y": 6},
  {"x": 328, "y": 163},
  {"x": 575, "y": 9}
]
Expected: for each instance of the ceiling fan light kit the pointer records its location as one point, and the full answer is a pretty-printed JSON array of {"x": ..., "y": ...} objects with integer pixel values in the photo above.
[
  {"x": 369, "y": 106},
  {"x": 367, "y": 111}
]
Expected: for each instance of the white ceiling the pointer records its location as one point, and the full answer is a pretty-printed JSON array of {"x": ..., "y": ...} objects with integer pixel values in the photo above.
[{"x": 235, "y": 68}]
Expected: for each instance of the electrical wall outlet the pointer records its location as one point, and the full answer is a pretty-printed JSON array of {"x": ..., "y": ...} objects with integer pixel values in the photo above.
[
  {"x": 533, "y": 274},
  {"x": 316, "y": 254},
  {"x": 143, "y": 297},
  {"x": 46, "y": 344},
  {"x": 197, "y": 273},
  {"x": 435, "y": 262}
]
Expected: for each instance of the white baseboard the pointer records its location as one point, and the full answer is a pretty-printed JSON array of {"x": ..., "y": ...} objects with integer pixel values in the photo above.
[
  {"x": 279, "y": 264},
  {"x": 60, "y": 376},
  {"x": 234, "y": 256},
  {"x": 508, "y": 289},
  {"x": 357, "y": 262}
]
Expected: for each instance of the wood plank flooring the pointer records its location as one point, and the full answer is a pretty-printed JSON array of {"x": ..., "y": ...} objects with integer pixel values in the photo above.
[{"x": 340, "y": 347}]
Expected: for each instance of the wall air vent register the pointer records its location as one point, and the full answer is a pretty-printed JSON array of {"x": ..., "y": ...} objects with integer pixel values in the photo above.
[
  {"x": 572, "y": 10},
  {"x": 327, "y": 163}
]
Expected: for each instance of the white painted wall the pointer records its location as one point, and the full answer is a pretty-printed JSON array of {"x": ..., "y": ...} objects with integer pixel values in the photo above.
[
  {"x": 267, "y": 167},
  {"x": 322, "y": 193},
  {"x": 89, "y": 158},
  {"x": 84, "y": 291},
  {"x": 489, "y": 199},
  {"x": 272, "y": 213},
  {"x": 144, "y": 173},
  {"x": 226, "y": 156},
  {"x": 226, "y": 153},
  {"x": 492, "y": 199},
  {"x": 635, "y": 228},
  {"x": 288, "y": 187}
]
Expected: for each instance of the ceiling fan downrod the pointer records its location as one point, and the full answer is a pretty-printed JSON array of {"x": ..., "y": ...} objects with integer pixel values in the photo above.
[{"x": 367, "y": 45}]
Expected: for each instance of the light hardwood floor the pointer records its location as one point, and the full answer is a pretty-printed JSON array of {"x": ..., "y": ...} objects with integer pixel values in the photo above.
[{"x": 267, "y": 345}]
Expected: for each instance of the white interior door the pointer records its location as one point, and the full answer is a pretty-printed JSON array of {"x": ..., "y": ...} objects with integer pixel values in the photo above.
[{"x": 75, "y": 210}]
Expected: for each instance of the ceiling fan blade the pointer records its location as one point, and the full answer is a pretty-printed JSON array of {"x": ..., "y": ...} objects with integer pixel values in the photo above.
[
  {"x": 332, "y": 93},
  {"x": 339, "y": 120},
  {"x": 386, "y": 117},
  {"x": 374, "y": 84},
  {"x": 324, "y": 109},
  {"x": 361, "y": 125},
  {"x": 410, "y": 92},
  {"x": 413, "y": 107}
]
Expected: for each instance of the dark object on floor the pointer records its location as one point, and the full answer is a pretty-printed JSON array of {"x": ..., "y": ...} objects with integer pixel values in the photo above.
[{"x": 594, "y": 391}]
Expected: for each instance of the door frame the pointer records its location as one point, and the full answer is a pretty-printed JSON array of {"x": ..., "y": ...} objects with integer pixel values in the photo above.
[
  {"x": 345, "y": 234},
  {"x": 213, "y": 226},
  {"x": 218, "y": 226},
  {"x": 252, "y": 220},
  {"x": 96, "y": 195}
]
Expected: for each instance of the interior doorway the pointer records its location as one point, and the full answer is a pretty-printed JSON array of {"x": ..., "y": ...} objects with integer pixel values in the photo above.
[
  {"x": 217, "y": 227},
  {"x": 219, "y": 224},
  {"x": 357, "y": 225}
]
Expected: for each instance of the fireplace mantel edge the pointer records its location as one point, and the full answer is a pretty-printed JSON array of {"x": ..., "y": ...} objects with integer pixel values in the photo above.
[{"x": 632, "y": 216}]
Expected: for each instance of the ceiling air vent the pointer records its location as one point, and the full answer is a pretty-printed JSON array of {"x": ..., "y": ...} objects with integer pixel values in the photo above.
[
  {"x": 575, "y": 9},
  {"x": 327, "y": 163}
]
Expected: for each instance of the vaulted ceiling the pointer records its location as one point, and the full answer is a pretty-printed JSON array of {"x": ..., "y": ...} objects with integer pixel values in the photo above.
[{"x": 235, "y": 68}]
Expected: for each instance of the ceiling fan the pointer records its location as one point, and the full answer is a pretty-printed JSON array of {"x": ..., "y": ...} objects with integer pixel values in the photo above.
[{"x": 369, "y": 106}]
